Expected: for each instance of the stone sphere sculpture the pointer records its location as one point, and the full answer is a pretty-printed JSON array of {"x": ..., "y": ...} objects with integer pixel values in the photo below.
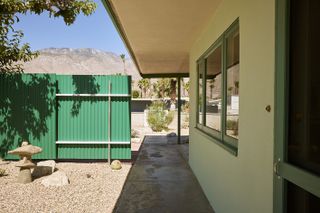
[
  {"x": 25, "y": 164},
  {"x": 116, "y": 165}
]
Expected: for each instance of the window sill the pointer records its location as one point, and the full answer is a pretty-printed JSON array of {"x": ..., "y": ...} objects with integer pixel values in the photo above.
[{"x": 231, "y": 149}]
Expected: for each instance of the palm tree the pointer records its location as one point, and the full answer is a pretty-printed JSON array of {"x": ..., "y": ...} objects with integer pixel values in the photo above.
[
  {"x": 123, "y": 58},
  {"x": 186, "y": 86}
]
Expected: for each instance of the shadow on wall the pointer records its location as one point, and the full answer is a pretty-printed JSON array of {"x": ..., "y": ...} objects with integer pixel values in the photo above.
[
  {"x": 28, "y": 101},
  {"x": 25, "y": 104},
  {"x": 83, "y": 85}
]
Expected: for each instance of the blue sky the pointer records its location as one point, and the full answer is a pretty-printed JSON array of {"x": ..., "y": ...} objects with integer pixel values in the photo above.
[{"x": 95, "y": 31}]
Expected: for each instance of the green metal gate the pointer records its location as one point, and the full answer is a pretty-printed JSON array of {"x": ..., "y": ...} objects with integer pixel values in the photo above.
[{"x": 69, "y": 117}]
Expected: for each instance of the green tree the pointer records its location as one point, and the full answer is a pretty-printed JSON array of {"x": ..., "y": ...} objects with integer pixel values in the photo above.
[
  {"x": 162, "y": 87},
  {"x": 123, "y": 58},
  {"x": 158, "y": 117},
  {"x": 12, "y": 52},
  {"x": 144, "y": 85},
  {"x": 186, "y": 87}
]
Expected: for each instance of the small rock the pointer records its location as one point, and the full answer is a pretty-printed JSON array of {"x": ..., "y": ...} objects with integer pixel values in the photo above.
[
  {"x": 116, "y": 165},
  {"x": 172, "y": 134},
  {"x": 88, "y": 175},
  {"x": 58, "y": 178},
  {"x": 44, "y": 168},
  {"x": 3, "y": 162}
]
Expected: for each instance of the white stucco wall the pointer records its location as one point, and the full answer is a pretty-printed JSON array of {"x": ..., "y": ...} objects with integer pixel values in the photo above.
[{"x": 242, "y": 183}]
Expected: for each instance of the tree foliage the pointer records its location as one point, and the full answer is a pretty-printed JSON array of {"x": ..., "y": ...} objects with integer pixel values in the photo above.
[
  {"x": 12, "y": 51},
  {"x": 123, "y": 58},
  {"x": 162, "y": 87},
  {"x": 158, "y": 117},
  {"x": 186, "y": 86},
  {"x": 144, "y": 85}
]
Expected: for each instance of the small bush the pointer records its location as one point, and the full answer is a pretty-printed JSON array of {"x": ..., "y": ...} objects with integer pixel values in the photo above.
[
  {"x": 135, "y": 94},
  {"x": 158, "y": 117},
  {"x": 2, "y": 172},
  {"x": 232, "y": 125}
]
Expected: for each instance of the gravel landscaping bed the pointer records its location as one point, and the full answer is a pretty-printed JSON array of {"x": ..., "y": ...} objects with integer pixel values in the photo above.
[{"x": 93, "y": 187}]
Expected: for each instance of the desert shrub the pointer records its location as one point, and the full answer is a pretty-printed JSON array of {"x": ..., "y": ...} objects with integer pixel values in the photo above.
[
  {"x": 158, "y": 117},
  {"x": 232, "y": 125},
  {"x": 135, "y": 94},
  {"x": 2, "y": 172}
]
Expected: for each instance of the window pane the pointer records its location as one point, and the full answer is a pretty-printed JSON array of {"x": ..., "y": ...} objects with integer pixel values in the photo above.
[
  {"x": 213, "y": 90},
  {"x": 232, "y": 85},
  {"x": 301, "y": 201},
  {"x": 200, "y": 89},
  {"x": 304, "y": 86}
]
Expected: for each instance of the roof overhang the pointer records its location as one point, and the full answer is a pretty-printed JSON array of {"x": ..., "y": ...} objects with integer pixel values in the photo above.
[{"x": 159, "y": 34}]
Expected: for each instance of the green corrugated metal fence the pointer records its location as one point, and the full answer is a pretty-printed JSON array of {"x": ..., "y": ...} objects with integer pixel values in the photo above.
[{"x": 44, "y": 110}]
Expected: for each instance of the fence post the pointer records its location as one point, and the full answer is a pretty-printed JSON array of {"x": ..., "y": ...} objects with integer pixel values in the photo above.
[{"x": 109, "y": 125}]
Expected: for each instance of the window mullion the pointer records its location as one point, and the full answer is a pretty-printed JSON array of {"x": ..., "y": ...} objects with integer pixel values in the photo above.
[
  {"x": 224, "y": 86},
  {"x": 204, "y": 93}
]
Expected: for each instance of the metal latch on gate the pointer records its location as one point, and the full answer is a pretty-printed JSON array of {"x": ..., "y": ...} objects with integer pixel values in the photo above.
[{"x": 276, "y": 168}]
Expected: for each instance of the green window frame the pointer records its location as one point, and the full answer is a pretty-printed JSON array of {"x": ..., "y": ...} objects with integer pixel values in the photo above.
[{"x": 218, "y": 133}]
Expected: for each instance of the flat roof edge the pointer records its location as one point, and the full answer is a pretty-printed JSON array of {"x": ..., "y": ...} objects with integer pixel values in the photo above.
[{"x": 115, "y": 20}]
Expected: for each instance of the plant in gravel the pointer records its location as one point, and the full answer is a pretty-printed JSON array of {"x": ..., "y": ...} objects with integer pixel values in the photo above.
[
  {"x": 158, "y": 117},
  {"x": 135, "y": 94},
  {"x": 2, "y": 172}
]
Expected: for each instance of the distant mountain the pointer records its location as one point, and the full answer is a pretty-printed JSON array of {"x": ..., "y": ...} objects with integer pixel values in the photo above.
[{"x": 80, "y": 61}]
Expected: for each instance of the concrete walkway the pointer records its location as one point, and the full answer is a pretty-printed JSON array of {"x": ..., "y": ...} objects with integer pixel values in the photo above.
[{"x": 161, "y": 181}]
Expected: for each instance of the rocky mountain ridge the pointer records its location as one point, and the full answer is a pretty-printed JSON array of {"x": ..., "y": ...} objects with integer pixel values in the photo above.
[{"x": 80, "y": 61}]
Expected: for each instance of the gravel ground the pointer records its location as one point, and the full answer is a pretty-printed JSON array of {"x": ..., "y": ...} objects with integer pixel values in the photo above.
[{"x": 99, "y": 193}]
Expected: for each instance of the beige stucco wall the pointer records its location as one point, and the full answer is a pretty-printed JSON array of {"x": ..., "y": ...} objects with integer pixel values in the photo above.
[{"x": 243, "y": 183}]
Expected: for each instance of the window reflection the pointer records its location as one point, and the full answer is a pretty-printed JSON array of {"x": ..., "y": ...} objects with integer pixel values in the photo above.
[
  {"x": 213, "y": 89},
  {"x": 233, "y": 69}
]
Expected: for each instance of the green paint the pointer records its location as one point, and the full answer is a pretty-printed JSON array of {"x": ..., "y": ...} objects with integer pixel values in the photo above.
[
  {"x": 90, "y": 122},
  {"x": 280, "y": 100},
  {"x": 27, "y": 112},
  {"x": 30, "y": 110},
  {"x": 306, "y": 180},
  {"x": 287, "y": 172}
]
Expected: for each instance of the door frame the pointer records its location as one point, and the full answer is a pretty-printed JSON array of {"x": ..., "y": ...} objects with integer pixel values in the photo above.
[{"x": 284, "y": 171}]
